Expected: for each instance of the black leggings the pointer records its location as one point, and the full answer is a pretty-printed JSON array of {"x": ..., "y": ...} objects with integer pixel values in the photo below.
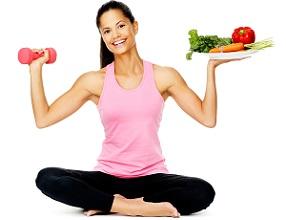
[{"x": 95, "y": 189}]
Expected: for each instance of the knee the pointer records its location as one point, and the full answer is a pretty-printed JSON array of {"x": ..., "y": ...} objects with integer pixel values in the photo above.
[
  {"x": 207, "y": 194},
  {"x": 210, "y": 194},
  {"x": 44, "y": 176},
  {"x": 204, "y": 195}
]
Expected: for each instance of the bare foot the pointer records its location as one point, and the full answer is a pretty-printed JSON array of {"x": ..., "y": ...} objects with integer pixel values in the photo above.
[
  {"x": 93, "y": 211},
  {"x": 138, "y": 207},
  {"x": 155, "y": 209},
  {"x": 120, "y": 196}
]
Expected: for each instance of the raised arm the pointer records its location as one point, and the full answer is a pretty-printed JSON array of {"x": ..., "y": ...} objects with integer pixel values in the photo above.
[
  {"x": 45, "y": 114},
  {"x": 204, "y": 111}
]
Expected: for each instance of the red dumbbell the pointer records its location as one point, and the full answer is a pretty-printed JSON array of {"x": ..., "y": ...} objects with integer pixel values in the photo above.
[{"x": 26, "y": 55}]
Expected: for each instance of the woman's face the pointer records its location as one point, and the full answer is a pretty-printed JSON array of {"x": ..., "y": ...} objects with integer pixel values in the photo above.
[{"x": 117, "y": 31}]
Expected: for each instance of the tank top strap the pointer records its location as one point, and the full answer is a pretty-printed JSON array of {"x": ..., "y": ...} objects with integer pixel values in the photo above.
[
  {"x": 109, "y": 72},
  {"x": 149, "y": 75},
  {"x": 108, "y": 84},
  {"x": 150, "y": 82}
]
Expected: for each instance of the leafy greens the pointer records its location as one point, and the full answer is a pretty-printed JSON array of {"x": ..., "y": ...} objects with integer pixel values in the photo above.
[{"x": 203, "y": 44}]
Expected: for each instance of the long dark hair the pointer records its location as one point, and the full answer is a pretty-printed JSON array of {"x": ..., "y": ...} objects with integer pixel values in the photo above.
[{"x": 106, "y": 57}]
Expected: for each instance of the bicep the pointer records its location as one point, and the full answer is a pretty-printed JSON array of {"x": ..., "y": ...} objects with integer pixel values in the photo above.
[
  {"x": 185, "y": 97},
  {"x": 68, "y": 103}
]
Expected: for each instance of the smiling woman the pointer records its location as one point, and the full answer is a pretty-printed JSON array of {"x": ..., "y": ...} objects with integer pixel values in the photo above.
[
  {"x": 118, "y": 32},
  {"x": 131, "y": 177},
  {"x": 125, "y": 26}
]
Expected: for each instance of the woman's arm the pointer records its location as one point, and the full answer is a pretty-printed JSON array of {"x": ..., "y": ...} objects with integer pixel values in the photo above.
[
  {"x": 62, "y": 107},
  {"x": 204, "y": 111}
]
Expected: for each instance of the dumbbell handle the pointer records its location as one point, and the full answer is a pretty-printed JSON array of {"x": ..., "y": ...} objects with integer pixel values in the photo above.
[{"x": 26, "y": 55}]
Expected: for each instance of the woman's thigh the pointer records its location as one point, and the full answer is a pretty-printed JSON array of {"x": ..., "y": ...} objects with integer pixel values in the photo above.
[{"x": 96, "y": 179}]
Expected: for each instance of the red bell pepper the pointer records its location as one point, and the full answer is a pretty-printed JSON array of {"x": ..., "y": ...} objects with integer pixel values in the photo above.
[{"x": 243, "y": 35}]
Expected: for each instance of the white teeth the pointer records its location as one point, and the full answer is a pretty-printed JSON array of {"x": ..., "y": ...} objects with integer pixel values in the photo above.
[{"x": 118, "y": 42}]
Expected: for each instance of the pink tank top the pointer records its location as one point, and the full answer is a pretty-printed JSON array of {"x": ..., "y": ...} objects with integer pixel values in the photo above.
[{"x": 131, "y": 120}]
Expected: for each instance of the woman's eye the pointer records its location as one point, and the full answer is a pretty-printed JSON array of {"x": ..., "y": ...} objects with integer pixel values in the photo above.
[
  {"x": 121, "y": 25},
  {"x": 106, "y": 32}
]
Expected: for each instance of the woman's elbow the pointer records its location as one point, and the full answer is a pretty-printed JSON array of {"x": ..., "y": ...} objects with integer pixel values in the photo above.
[
  {"x": 41, "y": 124},
  {"x": 210, "y": 123}
]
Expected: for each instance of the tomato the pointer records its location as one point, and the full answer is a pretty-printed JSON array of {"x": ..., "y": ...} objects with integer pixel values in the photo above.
[{"x": 243, "y": 35}]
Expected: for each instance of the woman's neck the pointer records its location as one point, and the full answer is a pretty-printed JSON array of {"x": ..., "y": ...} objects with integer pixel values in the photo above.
[{"x": 128, "y": 64}]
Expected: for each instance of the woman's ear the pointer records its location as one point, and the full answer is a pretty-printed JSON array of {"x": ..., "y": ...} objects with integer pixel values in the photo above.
[{"x": 135, "y": 27}]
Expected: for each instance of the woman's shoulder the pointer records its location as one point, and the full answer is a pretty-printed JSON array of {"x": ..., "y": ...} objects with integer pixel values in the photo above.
[
  {"x": 165, "y": 76},
  {"x": 165, "y": 72},
  {"x": 93, "y": 80},
  {"x": 93, "y": 75}
]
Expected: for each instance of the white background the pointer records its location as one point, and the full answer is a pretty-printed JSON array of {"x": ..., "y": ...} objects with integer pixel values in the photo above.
[{"x": 242, "y": 157}]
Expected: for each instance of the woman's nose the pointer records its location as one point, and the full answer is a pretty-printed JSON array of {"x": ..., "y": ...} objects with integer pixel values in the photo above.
[{"x": 115, "y": 34}]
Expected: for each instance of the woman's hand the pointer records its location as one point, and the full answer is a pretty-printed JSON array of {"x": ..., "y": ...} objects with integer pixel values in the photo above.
[
  {"x": 41, "y": 60},
  {"x": 216, "y": 62}
]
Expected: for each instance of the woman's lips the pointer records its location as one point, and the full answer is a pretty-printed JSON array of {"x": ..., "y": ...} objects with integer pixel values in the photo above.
[{"x": 118, "y": 43}]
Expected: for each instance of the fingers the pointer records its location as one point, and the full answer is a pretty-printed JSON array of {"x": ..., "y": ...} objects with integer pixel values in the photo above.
[
  {"x": 217, "y": 62},
  {"x": 44, "y": 55}
]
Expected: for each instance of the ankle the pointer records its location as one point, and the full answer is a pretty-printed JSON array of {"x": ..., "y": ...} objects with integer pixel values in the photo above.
[{"x": 119, "y": 204}]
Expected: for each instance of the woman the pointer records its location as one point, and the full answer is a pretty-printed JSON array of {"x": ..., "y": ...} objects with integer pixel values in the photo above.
[{"x": 131, "y": 177}]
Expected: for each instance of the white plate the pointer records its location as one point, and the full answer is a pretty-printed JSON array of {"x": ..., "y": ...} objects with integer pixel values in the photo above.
[{"x": 232, "y": 55}]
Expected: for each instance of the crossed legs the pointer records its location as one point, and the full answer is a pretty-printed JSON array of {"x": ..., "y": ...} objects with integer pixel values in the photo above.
[{"x": 153, "y": 195}]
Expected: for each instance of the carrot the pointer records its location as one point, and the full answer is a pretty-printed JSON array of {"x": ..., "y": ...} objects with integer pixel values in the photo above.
[{"x": 228, "y": 48}]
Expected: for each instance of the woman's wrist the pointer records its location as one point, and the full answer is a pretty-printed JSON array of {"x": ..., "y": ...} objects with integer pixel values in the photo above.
[
  {"x": 211, "y": 68},
  {"x": 36, "y": 68},
  {"x": 212, "y": 65}
]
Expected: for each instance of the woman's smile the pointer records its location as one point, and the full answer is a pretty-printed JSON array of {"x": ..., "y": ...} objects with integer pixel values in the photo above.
[{"x": 119, "y": 43}]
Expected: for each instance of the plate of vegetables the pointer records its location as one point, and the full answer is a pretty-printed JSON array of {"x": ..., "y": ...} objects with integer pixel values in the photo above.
[{"x": 241, "y": 44}]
